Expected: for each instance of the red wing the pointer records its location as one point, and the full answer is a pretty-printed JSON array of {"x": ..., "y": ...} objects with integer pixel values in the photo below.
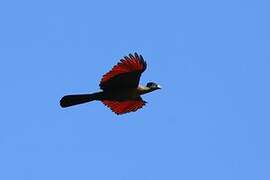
[
  {"x": 122, "y": 107},
  {"x": 126, "y": 74}
]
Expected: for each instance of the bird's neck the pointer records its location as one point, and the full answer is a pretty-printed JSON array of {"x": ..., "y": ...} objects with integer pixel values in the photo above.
[{"x": 143, "y": 89}]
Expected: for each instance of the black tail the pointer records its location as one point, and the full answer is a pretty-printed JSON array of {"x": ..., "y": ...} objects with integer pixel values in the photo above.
[{"x": 71, "y": 100}]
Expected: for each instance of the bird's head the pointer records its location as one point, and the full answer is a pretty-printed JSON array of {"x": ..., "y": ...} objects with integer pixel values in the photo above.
[{"x": 153, "y": 86}]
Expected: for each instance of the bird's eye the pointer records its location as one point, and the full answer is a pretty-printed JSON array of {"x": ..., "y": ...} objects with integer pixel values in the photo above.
[{"x": 151, "y": 84}]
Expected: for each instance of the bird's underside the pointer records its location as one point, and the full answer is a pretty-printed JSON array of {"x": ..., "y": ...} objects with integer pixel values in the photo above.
[
  {"x": 120, "y": 87},
  {"x": 123, "y": 100}
]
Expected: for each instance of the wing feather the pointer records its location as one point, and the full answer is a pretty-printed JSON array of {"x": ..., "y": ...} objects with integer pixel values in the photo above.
[
  {"x": 126, "y": 74},
  {"x": 122, "y": 107}
]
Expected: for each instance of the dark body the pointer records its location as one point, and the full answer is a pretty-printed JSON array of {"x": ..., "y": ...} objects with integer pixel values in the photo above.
[{"x": 120, "y": 87}]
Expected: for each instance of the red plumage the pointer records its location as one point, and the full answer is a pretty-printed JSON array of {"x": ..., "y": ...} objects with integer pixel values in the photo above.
[
  {"x": 122, "y": 107},
  {"x": 127, "y": 65}
]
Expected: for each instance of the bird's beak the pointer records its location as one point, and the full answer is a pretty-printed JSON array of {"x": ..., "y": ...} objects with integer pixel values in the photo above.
[{"x": 159, "y": 86}]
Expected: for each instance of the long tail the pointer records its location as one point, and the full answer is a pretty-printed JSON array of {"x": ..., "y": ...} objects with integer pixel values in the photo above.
[{"x": 71, "y": 100}]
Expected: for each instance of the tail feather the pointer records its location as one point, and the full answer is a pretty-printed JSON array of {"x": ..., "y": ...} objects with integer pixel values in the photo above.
[{"x": 71, "y": 100}]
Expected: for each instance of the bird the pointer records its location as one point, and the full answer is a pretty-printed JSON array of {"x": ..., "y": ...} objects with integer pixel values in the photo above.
[{"x": 120, "y": 88}]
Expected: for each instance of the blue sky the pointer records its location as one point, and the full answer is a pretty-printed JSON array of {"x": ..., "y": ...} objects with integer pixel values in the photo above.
[{"x": 210, "y": 121}]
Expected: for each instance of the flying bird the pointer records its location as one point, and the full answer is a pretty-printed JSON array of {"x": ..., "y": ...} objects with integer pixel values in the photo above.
[{"x": 120, "y": 87}]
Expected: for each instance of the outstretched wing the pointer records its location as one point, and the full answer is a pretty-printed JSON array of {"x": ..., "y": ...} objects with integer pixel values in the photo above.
[
  {"x": 122, "y": 107},
  {"x": 126, "y": 74}
]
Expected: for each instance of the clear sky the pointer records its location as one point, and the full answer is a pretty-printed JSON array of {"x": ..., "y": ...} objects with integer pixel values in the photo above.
[{"x": 210, "y": 121}]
